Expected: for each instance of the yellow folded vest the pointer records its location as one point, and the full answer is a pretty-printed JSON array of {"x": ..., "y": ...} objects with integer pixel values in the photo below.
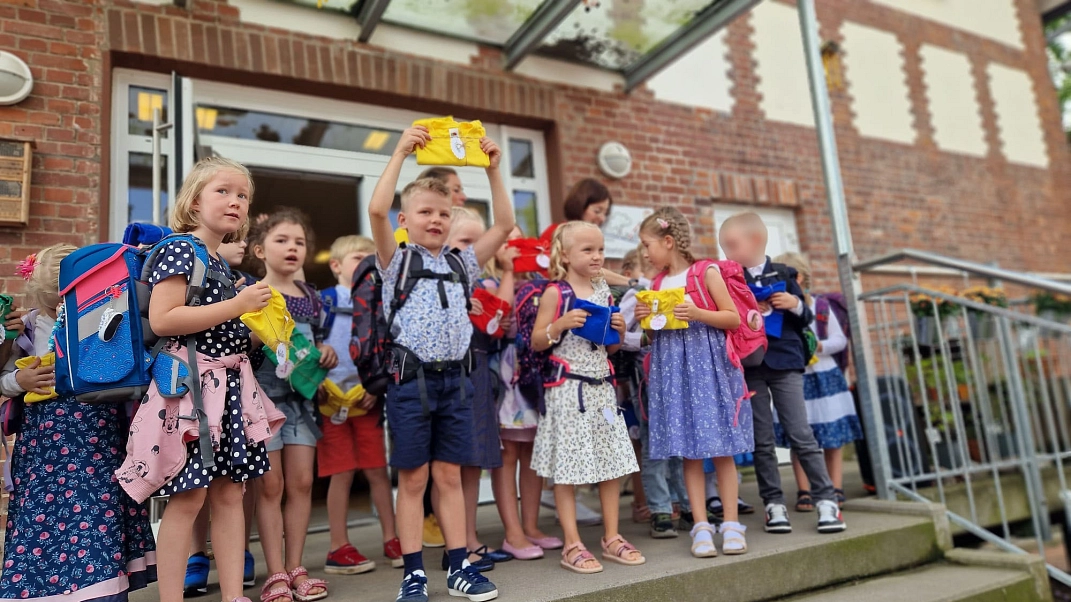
[
  {"x": 452, "y": 143},
  {"x": 662, "y": 304},
  {"x": 337, "y": 402},
  {"x": 273, "y": 325},
  {"x": 48, "y": 359}
]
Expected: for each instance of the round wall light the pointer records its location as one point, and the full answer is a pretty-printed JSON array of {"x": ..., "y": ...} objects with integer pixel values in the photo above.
[
  {"x": 614, "y": 160},
  {"x": 15, "y": 79}
]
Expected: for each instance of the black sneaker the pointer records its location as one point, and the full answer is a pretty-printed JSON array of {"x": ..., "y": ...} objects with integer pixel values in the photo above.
[
  {"x": 829, "y": 518},
  {"x": 777, "y": 519},
  {"x": 687, "y": 521},
  {"x": 414, "y": 588},
  {"x": 662, "y": 526},
  {"x": 469, "y": 583}
]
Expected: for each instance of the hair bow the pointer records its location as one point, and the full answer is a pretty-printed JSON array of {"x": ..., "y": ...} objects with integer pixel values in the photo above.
[
  {"x": 662, "y": 223},
  {"x": 27, "y": 266}
]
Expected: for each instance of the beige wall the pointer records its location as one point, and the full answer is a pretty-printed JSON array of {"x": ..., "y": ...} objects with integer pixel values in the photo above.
[
  {"x": 994, "y": 19},
  {"x": 874, "y": 67}
]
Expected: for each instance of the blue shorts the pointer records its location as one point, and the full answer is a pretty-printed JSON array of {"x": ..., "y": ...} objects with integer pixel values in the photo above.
[
  {"x": 444, "y": 434},
  {"x": 296, "y": 429}
]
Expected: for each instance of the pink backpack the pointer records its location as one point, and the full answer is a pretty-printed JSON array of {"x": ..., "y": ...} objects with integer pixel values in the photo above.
[{"x": 747, "y": 344}]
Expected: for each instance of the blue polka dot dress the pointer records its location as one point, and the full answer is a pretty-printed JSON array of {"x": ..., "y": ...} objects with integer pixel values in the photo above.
[{"x": 236, "y": 458}]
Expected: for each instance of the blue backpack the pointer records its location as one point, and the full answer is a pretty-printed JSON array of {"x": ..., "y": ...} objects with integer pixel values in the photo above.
[{"x": 104, "y": 346}]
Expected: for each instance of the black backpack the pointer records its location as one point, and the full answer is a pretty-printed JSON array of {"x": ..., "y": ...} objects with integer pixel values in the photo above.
[{"x": 371, "y": 337}]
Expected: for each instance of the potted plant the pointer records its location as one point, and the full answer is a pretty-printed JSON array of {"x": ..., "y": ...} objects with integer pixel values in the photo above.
[
  {"x": 981, "y": 323},
  {"x": 1052, "y": 306},
  {"x": 927, "y": 310}
]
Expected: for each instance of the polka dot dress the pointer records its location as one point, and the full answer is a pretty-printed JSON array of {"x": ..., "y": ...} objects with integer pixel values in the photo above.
[{"x": 236, "y": 457}]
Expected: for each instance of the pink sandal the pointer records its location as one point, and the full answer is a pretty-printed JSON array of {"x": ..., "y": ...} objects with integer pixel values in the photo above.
[
  {"x": 266, "y": 595},
  {"x": 301, "y": 591},
  {"x": 623, "y": 549},
  {"x": 582, "y": 555}
]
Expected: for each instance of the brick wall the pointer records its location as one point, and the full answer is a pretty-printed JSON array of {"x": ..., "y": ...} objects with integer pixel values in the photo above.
[{"x": 899, "y": 195}]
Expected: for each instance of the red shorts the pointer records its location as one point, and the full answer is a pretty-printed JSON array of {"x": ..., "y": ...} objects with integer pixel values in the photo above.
[{"x": 356, "y": 444}]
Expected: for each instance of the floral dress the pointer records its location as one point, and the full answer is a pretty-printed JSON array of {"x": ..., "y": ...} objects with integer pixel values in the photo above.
[{"x": 574, "y": 446}]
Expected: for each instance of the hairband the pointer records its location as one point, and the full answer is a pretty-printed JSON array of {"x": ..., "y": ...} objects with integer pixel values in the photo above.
[
  {"x": 27, "y": 266},
  {"x": 662, "y": 223}
]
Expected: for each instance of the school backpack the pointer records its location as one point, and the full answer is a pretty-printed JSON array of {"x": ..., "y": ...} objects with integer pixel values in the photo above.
[
  {"x": 330, "y": 307},
  {"x": 104, "y": 345},
  {"x": 747, "y": 343},
  {"x": 531, "y": 364},
  {"x": 371, "y": 336},
  {"x": 835, "y": 303}
]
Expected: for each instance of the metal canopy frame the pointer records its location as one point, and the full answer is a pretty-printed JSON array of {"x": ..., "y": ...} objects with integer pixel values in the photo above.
[
  {"x": 527, "y": 38},
  {"x": 369, "y": 16}
]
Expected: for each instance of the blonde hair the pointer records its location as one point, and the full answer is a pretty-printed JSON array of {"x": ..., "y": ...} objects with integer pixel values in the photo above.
[
  {"x": 344, "y": 245},
  {"x": 459, "y": 214},
  {"x": 424, "y": 185},
  {"x": 42, "y": 287},
  {"x": 183, "y": 216},
  {"x": 802, "y": 265},
  {"x": 631, "y": 261},
  {"x": 749, "y": 222},
  {"x": 669, "y": 221},
  {"x": 558, "y": 246}
]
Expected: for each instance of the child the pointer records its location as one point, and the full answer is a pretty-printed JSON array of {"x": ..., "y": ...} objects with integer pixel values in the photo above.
[
  {"x": 280, "y": 244},
  {"x": 830, "y": 406},
  {"x": 466, "y": 227},
  {"x": 198, "y": 564},
  {"x": 581, "y": 438},
  {"x": 663, "y": 480},
  {"x": 355, "y": 441},
  {"x": 448, "y": 176},
  {"x": 698, "y": 402},
  {"x": 212, "y": 207},
  {"x": 625, "y": 362},
  {"x": 518, "y": 419},
  {"x": 428, "y": 404},
  {"x": 70, "y": 528},
  {"x": 780, "y": 377}
]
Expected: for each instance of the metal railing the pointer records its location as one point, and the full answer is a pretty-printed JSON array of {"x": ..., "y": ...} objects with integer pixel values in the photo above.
[{"x": 974, "y": 401}]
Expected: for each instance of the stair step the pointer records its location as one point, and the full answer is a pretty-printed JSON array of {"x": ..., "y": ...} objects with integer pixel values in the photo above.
[{"x": 938, "y": 582}]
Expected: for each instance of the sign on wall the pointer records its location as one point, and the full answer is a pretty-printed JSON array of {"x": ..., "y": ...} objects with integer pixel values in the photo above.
[{"x": 622, "y": 229}]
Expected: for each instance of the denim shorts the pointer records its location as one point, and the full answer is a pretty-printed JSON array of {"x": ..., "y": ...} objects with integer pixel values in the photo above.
[
  {"x": 296, "y": 430},
  {"x": 443, "y": 433}
]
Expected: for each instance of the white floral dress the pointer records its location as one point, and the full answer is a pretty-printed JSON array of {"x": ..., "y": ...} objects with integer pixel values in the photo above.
[{"x": 575, "y": 447}]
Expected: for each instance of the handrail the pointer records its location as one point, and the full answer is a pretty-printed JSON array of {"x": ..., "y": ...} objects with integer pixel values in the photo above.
[{"x": 970, "y": 267}]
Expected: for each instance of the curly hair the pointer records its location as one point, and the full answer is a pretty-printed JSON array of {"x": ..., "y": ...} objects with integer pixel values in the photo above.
[
  {"x": 669, "y": 221},
  {"x": 266, "y": 223},
  {"x": 558, "y": 246}
]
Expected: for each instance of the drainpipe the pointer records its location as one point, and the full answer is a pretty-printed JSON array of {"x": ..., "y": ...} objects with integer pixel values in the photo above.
[{"x": 862, "y": 354}]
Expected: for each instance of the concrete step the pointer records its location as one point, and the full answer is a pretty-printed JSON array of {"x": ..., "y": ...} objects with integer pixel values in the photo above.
[{"x": 939, "y": 582}]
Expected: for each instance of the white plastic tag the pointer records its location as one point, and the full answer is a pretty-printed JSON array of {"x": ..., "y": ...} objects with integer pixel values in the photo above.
[
  {"x": 340, "y": 416},
  {"x": 543, "y": 261},
  {"x": 658, "y": 321},
  {"x": 610, "y": 414},
  {"x": 457, "y": 145},
  {"x": 493, "y": 323},
  {"x": 280, "y": 354}
]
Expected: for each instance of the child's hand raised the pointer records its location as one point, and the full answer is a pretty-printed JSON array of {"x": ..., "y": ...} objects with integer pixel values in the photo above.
[
  {"x": 573, "y": 319},
  {"x": 36, "y": 378},
  {"x": 489, "y": 147},
  {"x": 328, "y": 357},
  {"x": 253, "y": 297},
  {"x": 617, "y": 321},
  {"x": 412, "y": 139},
  {"x": 642, "y": 311}
]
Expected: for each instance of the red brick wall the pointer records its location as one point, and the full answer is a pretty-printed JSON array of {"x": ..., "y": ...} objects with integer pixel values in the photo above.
[{"x": 917, "y": 196}]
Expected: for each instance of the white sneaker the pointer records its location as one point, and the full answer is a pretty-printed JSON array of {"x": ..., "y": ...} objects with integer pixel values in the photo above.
[
  {"x": 829, "y": 517},
  {"x": 777, "y": 519},
  {"x": 586, "y": 517}
]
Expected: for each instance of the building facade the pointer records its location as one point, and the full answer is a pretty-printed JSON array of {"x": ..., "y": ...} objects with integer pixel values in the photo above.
[{"x": 947, "y": 123}]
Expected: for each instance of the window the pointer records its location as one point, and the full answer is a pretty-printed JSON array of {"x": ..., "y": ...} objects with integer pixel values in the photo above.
[{"x": 526, "y": 178}]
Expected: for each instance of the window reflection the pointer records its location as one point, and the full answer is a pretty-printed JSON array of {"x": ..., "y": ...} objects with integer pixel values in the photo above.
[
  {"x": 290, "y": 129},
  {"x": 520, "y": 158},
  {"x": 139, "y": 195},
  {"x": 142, "y": 101},
  {"x": 524, "y": 207}
]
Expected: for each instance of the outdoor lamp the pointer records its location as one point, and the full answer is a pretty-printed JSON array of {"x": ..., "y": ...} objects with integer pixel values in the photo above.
[
  {"x": 614, "y": 160},
  {"x": 15, "y": 79}
]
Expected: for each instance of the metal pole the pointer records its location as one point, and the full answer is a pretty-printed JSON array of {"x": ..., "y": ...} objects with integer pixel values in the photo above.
[
  {"x": 862, "y": 354},
  {"x": 156, "y": 170}
]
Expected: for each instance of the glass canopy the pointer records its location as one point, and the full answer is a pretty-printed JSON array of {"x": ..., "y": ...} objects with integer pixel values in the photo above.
[{"x": 634, "y": 37}]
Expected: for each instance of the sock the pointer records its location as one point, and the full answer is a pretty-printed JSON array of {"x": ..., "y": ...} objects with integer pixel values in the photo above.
[
  {"x": 704, "y": 535},
  {"x": 457, "y": 557},
  {"x": 413, "y": 562}
]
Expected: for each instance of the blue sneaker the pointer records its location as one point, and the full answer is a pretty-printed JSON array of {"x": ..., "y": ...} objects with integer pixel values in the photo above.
[
  {"x": 196, "y": 583},
  {"x": 249, "y": 576},
  {"x": 469, "y": 583},
  {"x": 414, "y": 588}
]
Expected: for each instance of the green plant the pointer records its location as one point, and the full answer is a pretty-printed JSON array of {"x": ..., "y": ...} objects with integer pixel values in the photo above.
[
  {"x": 988, "y": 295},
  {"x": 934, "y": 372},
  {"x": 923, "y": 305},
  {"x": 1052, "y": 302}
]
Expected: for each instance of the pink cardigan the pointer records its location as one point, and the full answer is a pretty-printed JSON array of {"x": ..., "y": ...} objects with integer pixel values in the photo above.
[{"x": 156, "y": 450}]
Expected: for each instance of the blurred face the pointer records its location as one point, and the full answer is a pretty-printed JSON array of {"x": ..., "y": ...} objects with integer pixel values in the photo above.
[
  {"x": 465, "y": 233},
  {"x": 658, "y": 250},
  {"x": 223, "y": 204},
  {"x": 427, "y": 217},
  {"x": 457, "y": 191},
  {"x": 232, "y": 252},
  {"x": 343, "y": 269},
  {"x": 596, "y": 213},
  {"x": 743, "y": 247},
  {"x": 584, "y": 252},
  {"x": 515, "y": 233},
  {"x": 284, "y": 249}
]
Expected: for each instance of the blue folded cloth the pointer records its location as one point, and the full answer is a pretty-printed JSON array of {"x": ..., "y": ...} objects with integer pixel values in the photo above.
[
  {"x": 776, "y": 318},
  {"x": 597, "y": 329},
  {"x": 138, "y": 234}
]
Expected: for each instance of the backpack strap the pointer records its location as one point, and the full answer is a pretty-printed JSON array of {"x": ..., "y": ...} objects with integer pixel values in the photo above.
[
  {"x": 208, "y": 454},
  {"x": 696, "y": 284},
  {"x": 318, "y": 319},
  {"x": 656, "y": 284},
  {"x": 821, "y": 317}
]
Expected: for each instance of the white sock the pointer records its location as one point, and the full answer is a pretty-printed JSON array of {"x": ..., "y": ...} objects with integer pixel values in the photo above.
[{"x": 702, "y": 535}]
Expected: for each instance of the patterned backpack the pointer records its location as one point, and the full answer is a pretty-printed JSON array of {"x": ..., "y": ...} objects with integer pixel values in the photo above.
[{"x": 531, "y": 364}]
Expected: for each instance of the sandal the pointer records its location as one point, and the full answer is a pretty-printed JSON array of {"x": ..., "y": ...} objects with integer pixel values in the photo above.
[
  {"x": 623, "y": 549},
  {"x": 640, "y": 514},
  {"x": 266, "y": 593},
  {"x": 733, "y": 542},
  {"x": 839, "y": 497},
  {"x": 804, "y": 501},
  {"x": 301, "y": 590},
  {"x": 703, "y": 548},
  {"x": 582, "y": 556}
]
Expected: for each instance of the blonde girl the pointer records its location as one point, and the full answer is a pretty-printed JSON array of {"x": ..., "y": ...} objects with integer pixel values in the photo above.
[
  {"x": 698, "y": 403},
  {"x": 582, "y": 438},
  {"x": 212, "y": 208}
]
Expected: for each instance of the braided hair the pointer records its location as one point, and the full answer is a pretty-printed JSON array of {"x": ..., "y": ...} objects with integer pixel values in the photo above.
[
  {"x": 669, "y": 221},
  {"x": 558, "y": 270}
]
